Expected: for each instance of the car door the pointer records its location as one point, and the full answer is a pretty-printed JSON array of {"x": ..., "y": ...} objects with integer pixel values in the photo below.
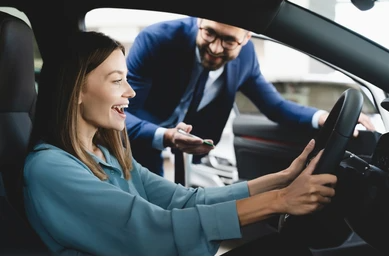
[{"x": 262, "y": 146}]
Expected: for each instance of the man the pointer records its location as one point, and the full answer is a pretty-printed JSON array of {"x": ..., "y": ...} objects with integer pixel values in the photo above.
[{"x": 165, "y": 65}]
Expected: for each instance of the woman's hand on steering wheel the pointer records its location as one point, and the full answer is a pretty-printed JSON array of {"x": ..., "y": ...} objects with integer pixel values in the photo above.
[{"x": 308, "y": 192}]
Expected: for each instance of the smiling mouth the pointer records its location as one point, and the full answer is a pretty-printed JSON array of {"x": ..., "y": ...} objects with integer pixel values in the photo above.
[
  {"x": 213, "y": 58},
  {"x": 119, "y": 108}
]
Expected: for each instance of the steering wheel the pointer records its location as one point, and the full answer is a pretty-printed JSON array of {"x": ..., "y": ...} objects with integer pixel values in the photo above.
[{"x": 326, "y": 228}]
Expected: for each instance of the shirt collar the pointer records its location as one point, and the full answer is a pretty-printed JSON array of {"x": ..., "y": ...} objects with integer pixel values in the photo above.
[{"x": 107, "y": 156}]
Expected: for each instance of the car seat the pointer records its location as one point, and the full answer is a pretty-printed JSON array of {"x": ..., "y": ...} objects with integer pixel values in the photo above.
[{"x": 17, "y": 102}]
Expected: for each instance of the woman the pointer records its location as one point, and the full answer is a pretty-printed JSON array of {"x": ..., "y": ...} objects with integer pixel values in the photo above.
[{"x": 85, "y": 194}]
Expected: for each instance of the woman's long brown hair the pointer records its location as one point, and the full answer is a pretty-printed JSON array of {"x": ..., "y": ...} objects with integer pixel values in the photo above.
[{"x": 62, "y": 78}]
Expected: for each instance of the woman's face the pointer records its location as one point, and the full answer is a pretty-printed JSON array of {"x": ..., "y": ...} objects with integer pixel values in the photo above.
[{"x": 106, "y": 94}]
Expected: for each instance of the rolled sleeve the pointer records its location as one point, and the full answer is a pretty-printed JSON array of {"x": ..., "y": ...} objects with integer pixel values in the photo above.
[
  {"x": 211, "y": 223},
  {"x": 215, "y": 217}
]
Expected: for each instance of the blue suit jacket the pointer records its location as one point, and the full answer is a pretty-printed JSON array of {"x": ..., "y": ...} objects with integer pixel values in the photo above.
[{"x": 159, "y": 68}]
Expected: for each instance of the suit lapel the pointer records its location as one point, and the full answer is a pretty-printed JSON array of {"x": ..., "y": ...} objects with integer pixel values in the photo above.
[
  {"x": 231, "y": 73},
  {"x": 186, "y": 67}
]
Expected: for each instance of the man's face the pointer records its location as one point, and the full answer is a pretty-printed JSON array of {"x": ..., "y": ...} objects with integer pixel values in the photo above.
[{"x": 219, "y": 43}]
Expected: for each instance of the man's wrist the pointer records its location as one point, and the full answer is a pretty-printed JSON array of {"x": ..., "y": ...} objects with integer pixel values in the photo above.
[
  {"x": 167, "y": 138},
  {"x": 316, "y": 117},
  {"x": 158, "y": 140}
]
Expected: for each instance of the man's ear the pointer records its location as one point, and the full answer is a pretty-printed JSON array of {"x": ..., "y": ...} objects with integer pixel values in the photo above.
[
  {"x": 247, "y": 38},
  {"x": 199, "y": 22}
]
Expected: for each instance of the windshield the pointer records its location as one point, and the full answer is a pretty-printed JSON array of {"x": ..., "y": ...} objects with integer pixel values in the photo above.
[{"x": 370, "y": 23}]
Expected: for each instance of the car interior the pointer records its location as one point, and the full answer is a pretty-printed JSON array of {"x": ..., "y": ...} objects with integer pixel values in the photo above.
[
  {"x": 18, "y": 96},
  {"x": 357, "y": 220}
]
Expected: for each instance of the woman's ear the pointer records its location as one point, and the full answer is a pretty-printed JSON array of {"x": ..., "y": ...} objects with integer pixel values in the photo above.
[{"x": 80, "y": 98}]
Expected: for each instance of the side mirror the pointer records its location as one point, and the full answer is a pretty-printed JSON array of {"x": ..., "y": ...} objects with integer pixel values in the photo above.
[
  {"x": 363, "y": 5},
  {"x": 385, "y": 104}
]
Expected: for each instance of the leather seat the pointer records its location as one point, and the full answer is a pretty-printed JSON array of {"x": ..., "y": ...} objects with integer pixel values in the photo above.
[{"x": 17, "y": 102}]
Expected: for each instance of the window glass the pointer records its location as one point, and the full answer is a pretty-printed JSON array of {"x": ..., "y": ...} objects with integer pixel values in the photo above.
[
  {"x": 295, "y": 75},
  {"x": 124, "y": 24},
  {"x": 300, "y": 78},
  {"x": 369, "y": 23}
]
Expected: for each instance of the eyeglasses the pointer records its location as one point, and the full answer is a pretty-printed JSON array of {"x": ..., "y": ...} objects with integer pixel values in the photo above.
[{"x": 227, "y": 42}]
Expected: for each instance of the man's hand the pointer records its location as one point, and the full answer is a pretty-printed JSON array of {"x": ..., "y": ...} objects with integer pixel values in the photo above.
[
  {"x": 363, "y": 120},
  {"x": 187, "y": 144}
]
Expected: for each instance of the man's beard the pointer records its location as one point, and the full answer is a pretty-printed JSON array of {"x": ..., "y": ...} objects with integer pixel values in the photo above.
[{"x": 209, "y": 64}]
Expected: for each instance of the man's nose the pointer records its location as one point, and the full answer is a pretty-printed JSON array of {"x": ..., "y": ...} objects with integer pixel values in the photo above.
[{"x": 216, "y": 46}]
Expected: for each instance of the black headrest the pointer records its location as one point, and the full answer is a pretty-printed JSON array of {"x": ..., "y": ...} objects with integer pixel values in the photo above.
[
  {"x": 17, "y": 83},
  {"x": 17, "y": 98}
]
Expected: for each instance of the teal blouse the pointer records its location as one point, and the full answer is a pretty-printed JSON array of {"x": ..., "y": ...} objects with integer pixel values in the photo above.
[{"x": 75, "y": 213}]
